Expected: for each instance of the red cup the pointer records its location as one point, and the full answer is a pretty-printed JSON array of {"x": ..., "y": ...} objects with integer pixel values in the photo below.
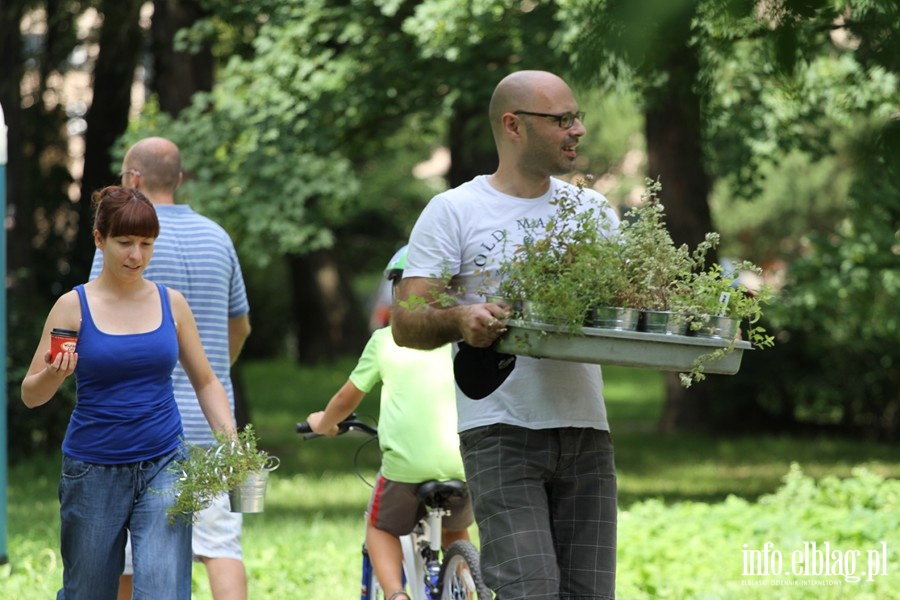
[{"x": 62, "y": 340}]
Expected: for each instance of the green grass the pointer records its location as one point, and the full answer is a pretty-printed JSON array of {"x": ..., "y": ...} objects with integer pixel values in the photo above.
[
  {"x": 705, "y": 468},
  {"x": 688, "y": 502}
]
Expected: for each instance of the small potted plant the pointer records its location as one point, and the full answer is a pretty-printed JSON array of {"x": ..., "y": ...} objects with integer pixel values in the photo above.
[
  {"x": 657, "y": 270},
  {"x": 717, "y": 303},
  {"x": 612, "y": 301},
  {"x": 233, "y": 465},
  {"x": 553, "y": 276}
]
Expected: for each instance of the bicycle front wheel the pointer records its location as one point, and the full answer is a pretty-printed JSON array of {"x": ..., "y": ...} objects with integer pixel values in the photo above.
[{"x": 460, "y": 577}]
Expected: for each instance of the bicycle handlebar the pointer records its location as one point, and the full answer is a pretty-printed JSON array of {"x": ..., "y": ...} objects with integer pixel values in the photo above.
[{"x": 351, "y": 423}]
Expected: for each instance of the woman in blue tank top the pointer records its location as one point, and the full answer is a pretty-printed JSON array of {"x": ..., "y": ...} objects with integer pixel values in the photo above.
[{"x": 125, "y": 430}]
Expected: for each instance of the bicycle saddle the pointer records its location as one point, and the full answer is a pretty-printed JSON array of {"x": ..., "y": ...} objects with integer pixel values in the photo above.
[{"x": 436, "y": 493}]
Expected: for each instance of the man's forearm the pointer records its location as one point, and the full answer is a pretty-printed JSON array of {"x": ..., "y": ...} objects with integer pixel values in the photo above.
[
  {"x": 425, "y": 328},
  {"x": 238, "y": 332}
]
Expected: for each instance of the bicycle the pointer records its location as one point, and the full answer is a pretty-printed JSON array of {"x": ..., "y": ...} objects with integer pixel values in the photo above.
[{"x": 441, "y": 575}]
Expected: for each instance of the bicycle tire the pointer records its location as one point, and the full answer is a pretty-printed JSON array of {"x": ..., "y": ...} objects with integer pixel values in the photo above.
[{"x": 460, "y": 577}]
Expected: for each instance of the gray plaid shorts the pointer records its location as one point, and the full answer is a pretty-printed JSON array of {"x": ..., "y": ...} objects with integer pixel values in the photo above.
[{"x": 545, "y": 504}]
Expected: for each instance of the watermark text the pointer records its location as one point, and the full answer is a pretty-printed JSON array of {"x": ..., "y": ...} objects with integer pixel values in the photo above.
[{"x": 812, "y": 560}]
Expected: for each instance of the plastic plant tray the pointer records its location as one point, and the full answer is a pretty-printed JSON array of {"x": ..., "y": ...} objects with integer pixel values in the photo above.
[{"x": 659, "y": 351}]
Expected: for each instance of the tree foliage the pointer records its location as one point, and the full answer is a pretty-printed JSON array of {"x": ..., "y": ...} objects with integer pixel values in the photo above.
[
  {"x": 321, "y": 106},
  {"x": 799, "y": 78},
  {"x": 833, "y": 92},
  {"x": 277, "y": 148}
]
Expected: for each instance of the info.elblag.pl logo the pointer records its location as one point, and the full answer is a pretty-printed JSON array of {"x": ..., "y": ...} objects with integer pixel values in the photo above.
[{"x": 812, "y": 563}]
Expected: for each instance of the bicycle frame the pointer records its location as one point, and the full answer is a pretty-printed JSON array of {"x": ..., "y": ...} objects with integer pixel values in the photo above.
[
  {"x": 429, "y": 573},
  {"x": 421, "y": 560},
  {"x": 421, "y": 555}
]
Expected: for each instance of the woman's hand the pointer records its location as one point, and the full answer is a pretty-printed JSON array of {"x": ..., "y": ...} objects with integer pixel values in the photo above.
[{"x": 64, "y": 365}]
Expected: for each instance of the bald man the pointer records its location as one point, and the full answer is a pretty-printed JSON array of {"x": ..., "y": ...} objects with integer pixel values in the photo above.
[
  {"x": 537, "y": 450},
  {"x": 195, "y": 256}
]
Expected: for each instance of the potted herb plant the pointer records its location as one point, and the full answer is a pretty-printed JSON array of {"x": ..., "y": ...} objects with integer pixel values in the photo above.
[
  {"x": 717, "y": 303},
  {"x": 233, "y": 464},
  {"x": 572, "y": 269},
  {"x": 656, "y": 269},
  {"x": 553, "y": 276}
]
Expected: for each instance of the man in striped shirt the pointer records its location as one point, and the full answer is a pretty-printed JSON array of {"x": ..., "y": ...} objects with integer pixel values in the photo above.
[{"x": 195, "y": 256}]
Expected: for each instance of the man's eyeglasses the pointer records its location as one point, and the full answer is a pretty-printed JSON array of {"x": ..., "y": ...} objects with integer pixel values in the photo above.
[
  {"x": 134, "y": 172},
  {"x": 564, "y": 120}
]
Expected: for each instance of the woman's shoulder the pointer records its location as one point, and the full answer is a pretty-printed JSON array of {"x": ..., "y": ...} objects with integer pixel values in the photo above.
[
  {"x": 66, "y": 311},
  {"x": 68, "y": 300},
  {"x": 175, "y": 297}
]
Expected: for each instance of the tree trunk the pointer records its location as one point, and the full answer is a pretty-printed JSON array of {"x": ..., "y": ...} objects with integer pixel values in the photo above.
[
  {"x": 121, "y": 40},
  {"x": 674, "y": 155},
  {"x": 471, "y": 144},
  {"x": 329, "y": 319},
  {"x": 11, "y": 69},
  {"x": 176, "y": 76}
]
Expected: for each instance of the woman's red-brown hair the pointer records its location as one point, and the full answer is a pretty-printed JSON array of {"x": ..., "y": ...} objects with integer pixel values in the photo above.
[{"x": 124, "y": 211}]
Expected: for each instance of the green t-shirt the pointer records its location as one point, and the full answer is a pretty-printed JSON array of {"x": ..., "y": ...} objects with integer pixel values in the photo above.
[{"x": 417, "y": 426}]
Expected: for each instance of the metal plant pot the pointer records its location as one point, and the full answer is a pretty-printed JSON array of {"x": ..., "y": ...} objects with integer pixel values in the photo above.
[
  {"x": 620, "y": 319},
  {"x": 250, "y": 495},
  {"x": 534, "y": 312},
  {"x": 718, "y": 327},
  {"x": 663, "y": 321}
]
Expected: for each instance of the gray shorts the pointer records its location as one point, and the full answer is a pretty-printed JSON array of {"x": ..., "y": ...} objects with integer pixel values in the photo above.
[
  {"x": 216, "y": 534},
  {"x": 545, "y": 502},
  {"x": 394, "y": 508}
]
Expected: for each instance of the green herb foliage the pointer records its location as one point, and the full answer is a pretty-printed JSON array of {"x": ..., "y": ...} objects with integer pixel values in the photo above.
[
  {"x": 575, "y": 263},
  {"x": 555, "y": 271},
  {"x": 211, "y": 471}
]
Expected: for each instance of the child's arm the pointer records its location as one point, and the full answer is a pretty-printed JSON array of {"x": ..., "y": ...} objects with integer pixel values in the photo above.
[{"x": 339, "y": 408}]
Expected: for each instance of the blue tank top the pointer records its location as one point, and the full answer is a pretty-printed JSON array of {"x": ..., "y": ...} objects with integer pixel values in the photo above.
[{"x": 125, "y": 409}]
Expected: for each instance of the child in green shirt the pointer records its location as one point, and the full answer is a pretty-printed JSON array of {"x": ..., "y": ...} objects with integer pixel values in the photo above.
[{"x": 416, "y": 433}]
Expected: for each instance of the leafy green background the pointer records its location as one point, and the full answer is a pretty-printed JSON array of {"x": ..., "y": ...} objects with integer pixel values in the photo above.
[{"x": 688, "y": 503}]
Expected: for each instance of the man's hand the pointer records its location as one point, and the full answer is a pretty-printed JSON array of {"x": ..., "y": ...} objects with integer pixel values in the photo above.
[{"x": 482, "y": 324}]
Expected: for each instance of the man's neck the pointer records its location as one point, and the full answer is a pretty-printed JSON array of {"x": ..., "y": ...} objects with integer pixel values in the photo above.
[
  {"x": 158, "y": 198},
  {"x": 519, "y": 185}
]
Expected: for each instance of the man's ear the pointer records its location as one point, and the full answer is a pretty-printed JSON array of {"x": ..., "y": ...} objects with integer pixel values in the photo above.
[{"x": 511, "y": 124}]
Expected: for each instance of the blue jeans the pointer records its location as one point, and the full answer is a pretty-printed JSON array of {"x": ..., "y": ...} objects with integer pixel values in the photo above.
[{"x": 98, "y": 503}]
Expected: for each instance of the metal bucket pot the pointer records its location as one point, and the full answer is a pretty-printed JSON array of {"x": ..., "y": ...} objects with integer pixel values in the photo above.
[
  {"x": 622, "y": 319},
  {"x": 663, "y": 321},
  {"x": 719, "y": 327},
  {"x": 250, "y": 495}
]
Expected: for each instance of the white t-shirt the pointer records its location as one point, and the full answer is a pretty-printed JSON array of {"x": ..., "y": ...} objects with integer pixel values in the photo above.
[{"x": 467, "y": 232}]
